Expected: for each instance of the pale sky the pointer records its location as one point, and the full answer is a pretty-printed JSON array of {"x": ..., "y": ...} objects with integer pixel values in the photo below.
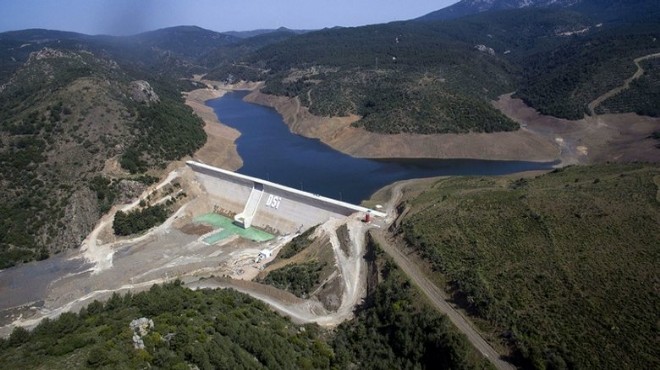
[{"x": 122, "y": 17}]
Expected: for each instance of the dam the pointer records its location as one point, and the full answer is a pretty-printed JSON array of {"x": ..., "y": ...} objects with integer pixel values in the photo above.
[{"x": 268, "y": 205}]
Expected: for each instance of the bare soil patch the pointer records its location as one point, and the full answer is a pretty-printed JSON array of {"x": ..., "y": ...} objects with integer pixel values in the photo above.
[
  {"x": 196, "y": 229},
  {"x": 220, "y": 148}
]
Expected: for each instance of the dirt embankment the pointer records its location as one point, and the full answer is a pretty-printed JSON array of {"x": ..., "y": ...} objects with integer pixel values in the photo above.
[{"x": 338, "y": 133}]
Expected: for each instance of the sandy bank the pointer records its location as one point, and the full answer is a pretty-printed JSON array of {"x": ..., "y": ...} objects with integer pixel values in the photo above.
[
  {"x": 338, "y": 133},
  {"x": 220, "y": 147}
]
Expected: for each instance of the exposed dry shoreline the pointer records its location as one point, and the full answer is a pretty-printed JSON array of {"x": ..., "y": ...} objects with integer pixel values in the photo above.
[
  {"x": 338, "y": 133},
  {"x": 220, "y": 147},
  {"x": 598, "y": 139},
  {"x": 612, "y": 137}
]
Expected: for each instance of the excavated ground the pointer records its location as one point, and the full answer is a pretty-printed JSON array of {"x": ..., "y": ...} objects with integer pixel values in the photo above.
[{"x": 106, "y": 264}]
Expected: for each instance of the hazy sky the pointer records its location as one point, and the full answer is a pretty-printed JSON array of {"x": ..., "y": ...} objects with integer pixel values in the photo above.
[{"x": 120, "y": 17}]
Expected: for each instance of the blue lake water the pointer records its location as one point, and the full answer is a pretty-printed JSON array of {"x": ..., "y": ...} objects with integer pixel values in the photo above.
[{"x": 270, "y": 151}]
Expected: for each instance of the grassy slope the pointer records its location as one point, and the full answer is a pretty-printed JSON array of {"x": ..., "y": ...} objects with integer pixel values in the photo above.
[{"x": 563, "y": 265}]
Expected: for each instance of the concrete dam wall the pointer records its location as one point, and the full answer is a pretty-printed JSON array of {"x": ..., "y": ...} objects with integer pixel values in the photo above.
[{"x": 268, "y": 205}]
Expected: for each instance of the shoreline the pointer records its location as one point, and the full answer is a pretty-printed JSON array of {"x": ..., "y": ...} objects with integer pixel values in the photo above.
[
  {"x": 612, "y": 137},
  {"x": 220, "y": 147},
  {"x": 337, "y": 132}
]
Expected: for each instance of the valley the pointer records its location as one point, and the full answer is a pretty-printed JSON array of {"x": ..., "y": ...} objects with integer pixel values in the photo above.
[{"x": 474, "y": 188}]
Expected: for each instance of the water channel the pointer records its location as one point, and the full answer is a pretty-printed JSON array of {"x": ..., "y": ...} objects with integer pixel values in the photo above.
[{"x": 270, "y": 151}]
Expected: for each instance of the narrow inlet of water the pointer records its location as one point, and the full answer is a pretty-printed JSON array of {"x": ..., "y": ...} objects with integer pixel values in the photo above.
[{"x": 270, "y": 151}]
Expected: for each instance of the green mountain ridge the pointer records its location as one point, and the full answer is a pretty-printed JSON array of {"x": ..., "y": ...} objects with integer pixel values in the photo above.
[{"x": 558, "y": 60}]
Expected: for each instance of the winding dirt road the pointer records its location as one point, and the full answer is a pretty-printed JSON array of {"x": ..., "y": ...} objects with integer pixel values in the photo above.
[{"x": 626, "y": 84}]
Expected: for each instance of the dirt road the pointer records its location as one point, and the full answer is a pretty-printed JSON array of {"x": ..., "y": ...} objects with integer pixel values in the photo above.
[
  {"x": 351, "y": 269},
  {"x": 640, "y": 71},
  {"x": 435, "y": 295}
]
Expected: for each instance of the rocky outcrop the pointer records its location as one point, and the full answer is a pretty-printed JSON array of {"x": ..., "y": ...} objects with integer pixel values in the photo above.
[
  {"x": 129, "y": 190},
  {"x": 80, "y": 215},
  {"x": 140, "y": 328},
  {"x": 485, "y": 49},
  {"x": 141, "y": 92}
]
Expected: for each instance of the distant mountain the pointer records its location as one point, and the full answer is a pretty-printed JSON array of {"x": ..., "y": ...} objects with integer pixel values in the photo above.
[
  {"x": 600, "y": 10},
  {"x": 223, "y": 55},
  {"x": 468, "y": 7},
  {"x": 187, "y": 41},
  {"x": 175, "y": 51},
  {"x": 253, "y": 33}
]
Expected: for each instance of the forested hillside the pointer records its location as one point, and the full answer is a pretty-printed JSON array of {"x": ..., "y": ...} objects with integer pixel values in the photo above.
[
  {"x": 401, "y": 77},
  {"x": 438, "y": 77},
  {"x": 643, "y": 95},
  {"x": 63, "y": 114},
  {"x": 228, "y": 330},
  {"x": 560, "y": 266},
  {"x": 563, "y": 80}
]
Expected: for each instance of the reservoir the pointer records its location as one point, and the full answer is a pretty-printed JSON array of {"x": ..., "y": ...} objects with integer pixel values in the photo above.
[{"x": 270, "y": 151}]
